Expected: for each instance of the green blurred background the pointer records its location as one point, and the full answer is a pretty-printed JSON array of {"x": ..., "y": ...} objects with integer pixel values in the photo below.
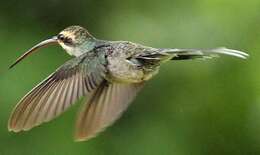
[{"x": 191, "y": 108}]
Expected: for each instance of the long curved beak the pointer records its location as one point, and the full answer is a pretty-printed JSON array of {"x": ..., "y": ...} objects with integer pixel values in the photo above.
[{"x": 44, "y": 43}]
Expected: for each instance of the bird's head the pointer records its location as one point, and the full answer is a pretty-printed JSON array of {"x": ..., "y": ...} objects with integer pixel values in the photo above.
[{"x": 73, "y": 39}]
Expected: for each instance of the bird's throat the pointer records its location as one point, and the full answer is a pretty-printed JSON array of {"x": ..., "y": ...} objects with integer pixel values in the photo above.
[{"x": 78, "y": 50}]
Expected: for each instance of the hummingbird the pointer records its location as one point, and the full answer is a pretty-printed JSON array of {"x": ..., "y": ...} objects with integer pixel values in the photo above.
[{"x": 109, "y": 73}]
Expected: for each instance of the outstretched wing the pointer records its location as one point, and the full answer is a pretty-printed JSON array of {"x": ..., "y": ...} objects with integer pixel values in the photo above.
[
  {"x": 77, "y": 77},
  {"x": 104, "y": 107}
]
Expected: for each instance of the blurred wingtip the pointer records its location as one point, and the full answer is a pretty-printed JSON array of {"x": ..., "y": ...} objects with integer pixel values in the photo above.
[
  {"x": 81, "y": 138},
  {"x": 11, "y": 129}
]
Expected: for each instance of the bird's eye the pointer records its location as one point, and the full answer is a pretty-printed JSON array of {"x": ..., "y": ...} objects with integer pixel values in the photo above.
[
  {"x": 64, "y": 39},
  {"x": 61, "y": 37}
]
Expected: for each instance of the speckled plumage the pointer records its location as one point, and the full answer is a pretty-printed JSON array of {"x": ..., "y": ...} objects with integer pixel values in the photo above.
[{"x": 109, "y": 73}]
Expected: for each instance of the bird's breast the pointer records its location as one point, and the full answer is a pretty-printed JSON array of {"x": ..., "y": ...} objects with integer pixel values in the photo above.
[
  {"x": 123, "y": 71},
  {"x": 122, "y": 66}
]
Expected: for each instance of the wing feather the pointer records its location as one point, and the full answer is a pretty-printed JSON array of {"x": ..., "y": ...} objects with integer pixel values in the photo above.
[
  {"x": 104, "y": 107},
  {"x": 76, "y": 78}
]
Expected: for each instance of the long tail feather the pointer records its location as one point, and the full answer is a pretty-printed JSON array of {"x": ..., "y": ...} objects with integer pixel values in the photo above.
[{"x": 182, "y": 54}]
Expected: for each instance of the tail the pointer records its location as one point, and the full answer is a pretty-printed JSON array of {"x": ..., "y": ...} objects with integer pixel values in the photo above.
[
  {"x": 184, "y": 54},
  {"x": 162, "y": 55}
]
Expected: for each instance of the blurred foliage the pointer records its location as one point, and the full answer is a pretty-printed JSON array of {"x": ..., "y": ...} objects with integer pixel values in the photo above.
[{"x": 191, "y": 108}]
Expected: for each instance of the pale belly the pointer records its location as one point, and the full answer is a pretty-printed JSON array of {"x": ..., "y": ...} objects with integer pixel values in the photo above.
[
  {"x": 123, "y": 68},
  {"x": 127, "y": 72}
]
